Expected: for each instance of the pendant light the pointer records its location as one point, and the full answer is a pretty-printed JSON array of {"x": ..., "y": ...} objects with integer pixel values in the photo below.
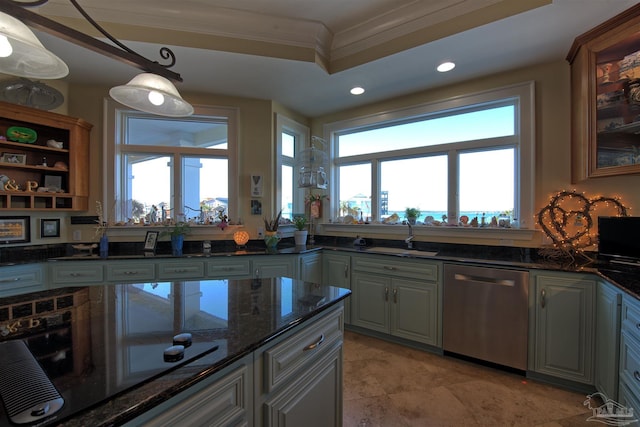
[
  {"x": 22, "y": 54},
  {"x": 152, "y": 93}
]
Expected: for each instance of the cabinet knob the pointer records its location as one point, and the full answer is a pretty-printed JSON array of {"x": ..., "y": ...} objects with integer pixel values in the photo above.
[
  {"x": 543, "y": 298},
  {"x": 386, "y": 294},
  {"x": 395, "y": 295},
  {"x": 636, "y": 375},
  {"x": 346, "y": 271}
]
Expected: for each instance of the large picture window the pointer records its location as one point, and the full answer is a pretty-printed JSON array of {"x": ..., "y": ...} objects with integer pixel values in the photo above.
[
  {"x": 470, "y": 156},
  {"x": 178, "y": 168}
]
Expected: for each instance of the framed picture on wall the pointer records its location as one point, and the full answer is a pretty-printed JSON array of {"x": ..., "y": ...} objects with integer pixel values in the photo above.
[
  {"x": 50, "y": 227},
  {"x": 15, "y": 229}
]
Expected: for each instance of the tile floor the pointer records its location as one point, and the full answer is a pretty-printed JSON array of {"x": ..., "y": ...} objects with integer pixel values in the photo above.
[{"x": 389, "y": 385}]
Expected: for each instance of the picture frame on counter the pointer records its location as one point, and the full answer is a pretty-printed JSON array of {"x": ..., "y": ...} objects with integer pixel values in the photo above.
[
  {"x": 15, "y": 229},
  {"x": 50, "y": 227},
  {"x": 14, "y": 158},
  {"x": 150, "y": 241}
]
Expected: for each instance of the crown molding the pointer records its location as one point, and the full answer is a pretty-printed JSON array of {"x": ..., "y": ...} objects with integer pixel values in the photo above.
[{"x": 232, "y": 30}]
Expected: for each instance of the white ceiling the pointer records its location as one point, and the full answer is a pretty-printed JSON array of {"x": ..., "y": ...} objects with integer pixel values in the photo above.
[{"x": 335, "y": 29}]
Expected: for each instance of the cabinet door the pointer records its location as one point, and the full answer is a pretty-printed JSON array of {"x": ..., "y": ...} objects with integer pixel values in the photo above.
[
  {"x": 315, "y": 400},
  {"x": 414, "y": 311},
  {"x": 564, "y": 326},
  {"x": 336, "y": 271},
  {"x": 311, "y": 267},
  {"x": 274, "y": 266},
  {"x": 370, "y": 301},
  {"x": 607, "y": 342}
]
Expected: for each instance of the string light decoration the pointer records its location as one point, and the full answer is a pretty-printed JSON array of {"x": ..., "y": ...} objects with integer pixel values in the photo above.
[{"x": 568, "y": 221}]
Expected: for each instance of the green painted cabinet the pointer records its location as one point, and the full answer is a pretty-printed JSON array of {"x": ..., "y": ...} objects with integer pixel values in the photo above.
[
  {"x": 274, "y": 266},
  {"x": 18, "y": 279},
  {"x": 608, "y": 300},
  {"x": 399, "y": 297},
  {"x": 310, "y": 267},
  {"x": 562, "y": 325},
  {"x": 336, "y": 271},
  {"x": 629, "y": 386}
]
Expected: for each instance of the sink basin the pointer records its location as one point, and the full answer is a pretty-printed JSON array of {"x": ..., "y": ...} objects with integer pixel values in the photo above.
[{"x": 400, "y": 251}]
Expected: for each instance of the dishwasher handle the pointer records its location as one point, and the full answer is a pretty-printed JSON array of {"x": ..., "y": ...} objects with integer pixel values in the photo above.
[{"x": 481, "y": 279}]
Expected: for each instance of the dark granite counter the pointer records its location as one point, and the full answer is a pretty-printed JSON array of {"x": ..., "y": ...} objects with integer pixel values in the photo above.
[{"x": 102, "y": 345}]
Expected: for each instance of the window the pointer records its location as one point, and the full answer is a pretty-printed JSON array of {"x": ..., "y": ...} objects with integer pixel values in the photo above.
[
  {"x": 179, "y": 168},
  {"x": 470, "y": 156},
  {"x": 291, "y": 138}
]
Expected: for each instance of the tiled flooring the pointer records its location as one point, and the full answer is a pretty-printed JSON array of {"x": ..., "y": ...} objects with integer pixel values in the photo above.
[{"x": 389, "y": 385}]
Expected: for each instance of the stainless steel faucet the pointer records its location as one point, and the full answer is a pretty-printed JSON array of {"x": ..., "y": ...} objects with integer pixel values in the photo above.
[{"x": 409, "y": 238}]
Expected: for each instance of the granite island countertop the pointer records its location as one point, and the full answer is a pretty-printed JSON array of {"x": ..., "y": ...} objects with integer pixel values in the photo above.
[{"x": 102, "y": 345}]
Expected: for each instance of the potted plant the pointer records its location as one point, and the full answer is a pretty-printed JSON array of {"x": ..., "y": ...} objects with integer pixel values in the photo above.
[
  {"x": 271, "y": 238},
  {"x": 412, "y": 215},
  {"x": 177, "y": 233},
  {"x": 300, "y": 234}
]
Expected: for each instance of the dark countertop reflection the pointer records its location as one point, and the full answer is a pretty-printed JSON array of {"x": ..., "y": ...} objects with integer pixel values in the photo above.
[{"x": 102, "y": 346}]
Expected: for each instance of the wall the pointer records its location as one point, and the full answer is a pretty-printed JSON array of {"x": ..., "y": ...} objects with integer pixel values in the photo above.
[{"x": 553, "y": 133}]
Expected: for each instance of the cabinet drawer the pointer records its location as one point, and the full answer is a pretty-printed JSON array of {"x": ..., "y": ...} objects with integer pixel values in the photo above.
[
  {"x": 124, "y": 272},
  {"x": 21, "y": 279},
  {"x": 285, "y": 359},
  {"x": 77, "y": 272},
  {"x": 229, "y": 267},
  {"x": 395, "y": 266},
  {"x": 630, "y": 362},
  {"x": 180, "y": 270},
  {"x": 631, "y": 317}
]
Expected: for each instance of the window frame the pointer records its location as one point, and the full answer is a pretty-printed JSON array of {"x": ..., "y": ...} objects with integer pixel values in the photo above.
[
  {"x": 115, "y": 131},
  {"x": 523, "y": 97},
  {"x": 301, "y": 135}
]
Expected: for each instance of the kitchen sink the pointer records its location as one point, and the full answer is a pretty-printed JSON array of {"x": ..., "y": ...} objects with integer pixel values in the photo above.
[{"x": 401, "y": 251}]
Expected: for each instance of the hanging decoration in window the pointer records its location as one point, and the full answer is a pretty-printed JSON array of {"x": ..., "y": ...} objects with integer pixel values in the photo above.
[{"x": 311, "y": 165}]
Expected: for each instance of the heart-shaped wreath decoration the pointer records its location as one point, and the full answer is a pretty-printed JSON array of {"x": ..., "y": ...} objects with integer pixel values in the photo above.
[{"x": 568, "y": 219}]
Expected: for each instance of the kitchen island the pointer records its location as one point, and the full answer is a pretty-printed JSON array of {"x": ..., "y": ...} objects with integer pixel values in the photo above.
[{"x": 256, "y": 341}]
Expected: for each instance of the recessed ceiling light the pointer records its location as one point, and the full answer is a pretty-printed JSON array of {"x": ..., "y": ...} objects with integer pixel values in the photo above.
[
  {"x": 446, "y": 66},
  {"x": 357, "y": 90}
]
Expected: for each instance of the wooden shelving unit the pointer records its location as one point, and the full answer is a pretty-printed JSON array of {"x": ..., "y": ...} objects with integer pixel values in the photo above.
[{"x": 69, "y": 164}]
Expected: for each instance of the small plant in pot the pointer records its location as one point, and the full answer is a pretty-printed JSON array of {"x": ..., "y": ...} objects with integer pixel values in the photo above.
[
  {"x": 300, "y": 234},
  {"x": 412, "y": 215},
  {"x": 271, "y": 237}
]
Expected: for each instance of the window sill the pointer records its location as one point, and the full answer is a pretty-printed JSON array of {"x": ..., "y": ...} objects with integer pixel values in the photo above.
[{"x": 497, "y": 236}]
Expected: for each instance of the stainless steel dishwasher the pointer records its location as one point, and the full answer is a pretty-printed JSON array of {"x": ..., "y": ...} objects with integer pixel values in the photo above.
[{"x": 485, "y": 314}]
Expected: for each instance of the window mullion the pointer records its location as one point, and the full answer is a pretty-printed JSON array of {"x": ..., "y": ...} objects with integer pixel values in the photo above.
[
  {"x": 453, "y": 204},
  {"x": 375, "y": 189}
]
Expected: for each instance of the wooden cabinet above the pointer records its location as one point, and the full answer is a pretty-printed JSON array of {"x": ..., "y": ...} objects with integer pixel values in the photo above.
[
  {"x": 605, "y": 98},
  {"x": 36, "y": 174}
]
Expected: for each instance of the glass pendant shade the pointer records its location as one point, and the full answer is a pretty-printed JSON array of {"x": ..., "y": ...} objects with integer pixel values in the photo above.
[
  {"x": 22, "y": 54},
  {"x": 154, "y": 94}
]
